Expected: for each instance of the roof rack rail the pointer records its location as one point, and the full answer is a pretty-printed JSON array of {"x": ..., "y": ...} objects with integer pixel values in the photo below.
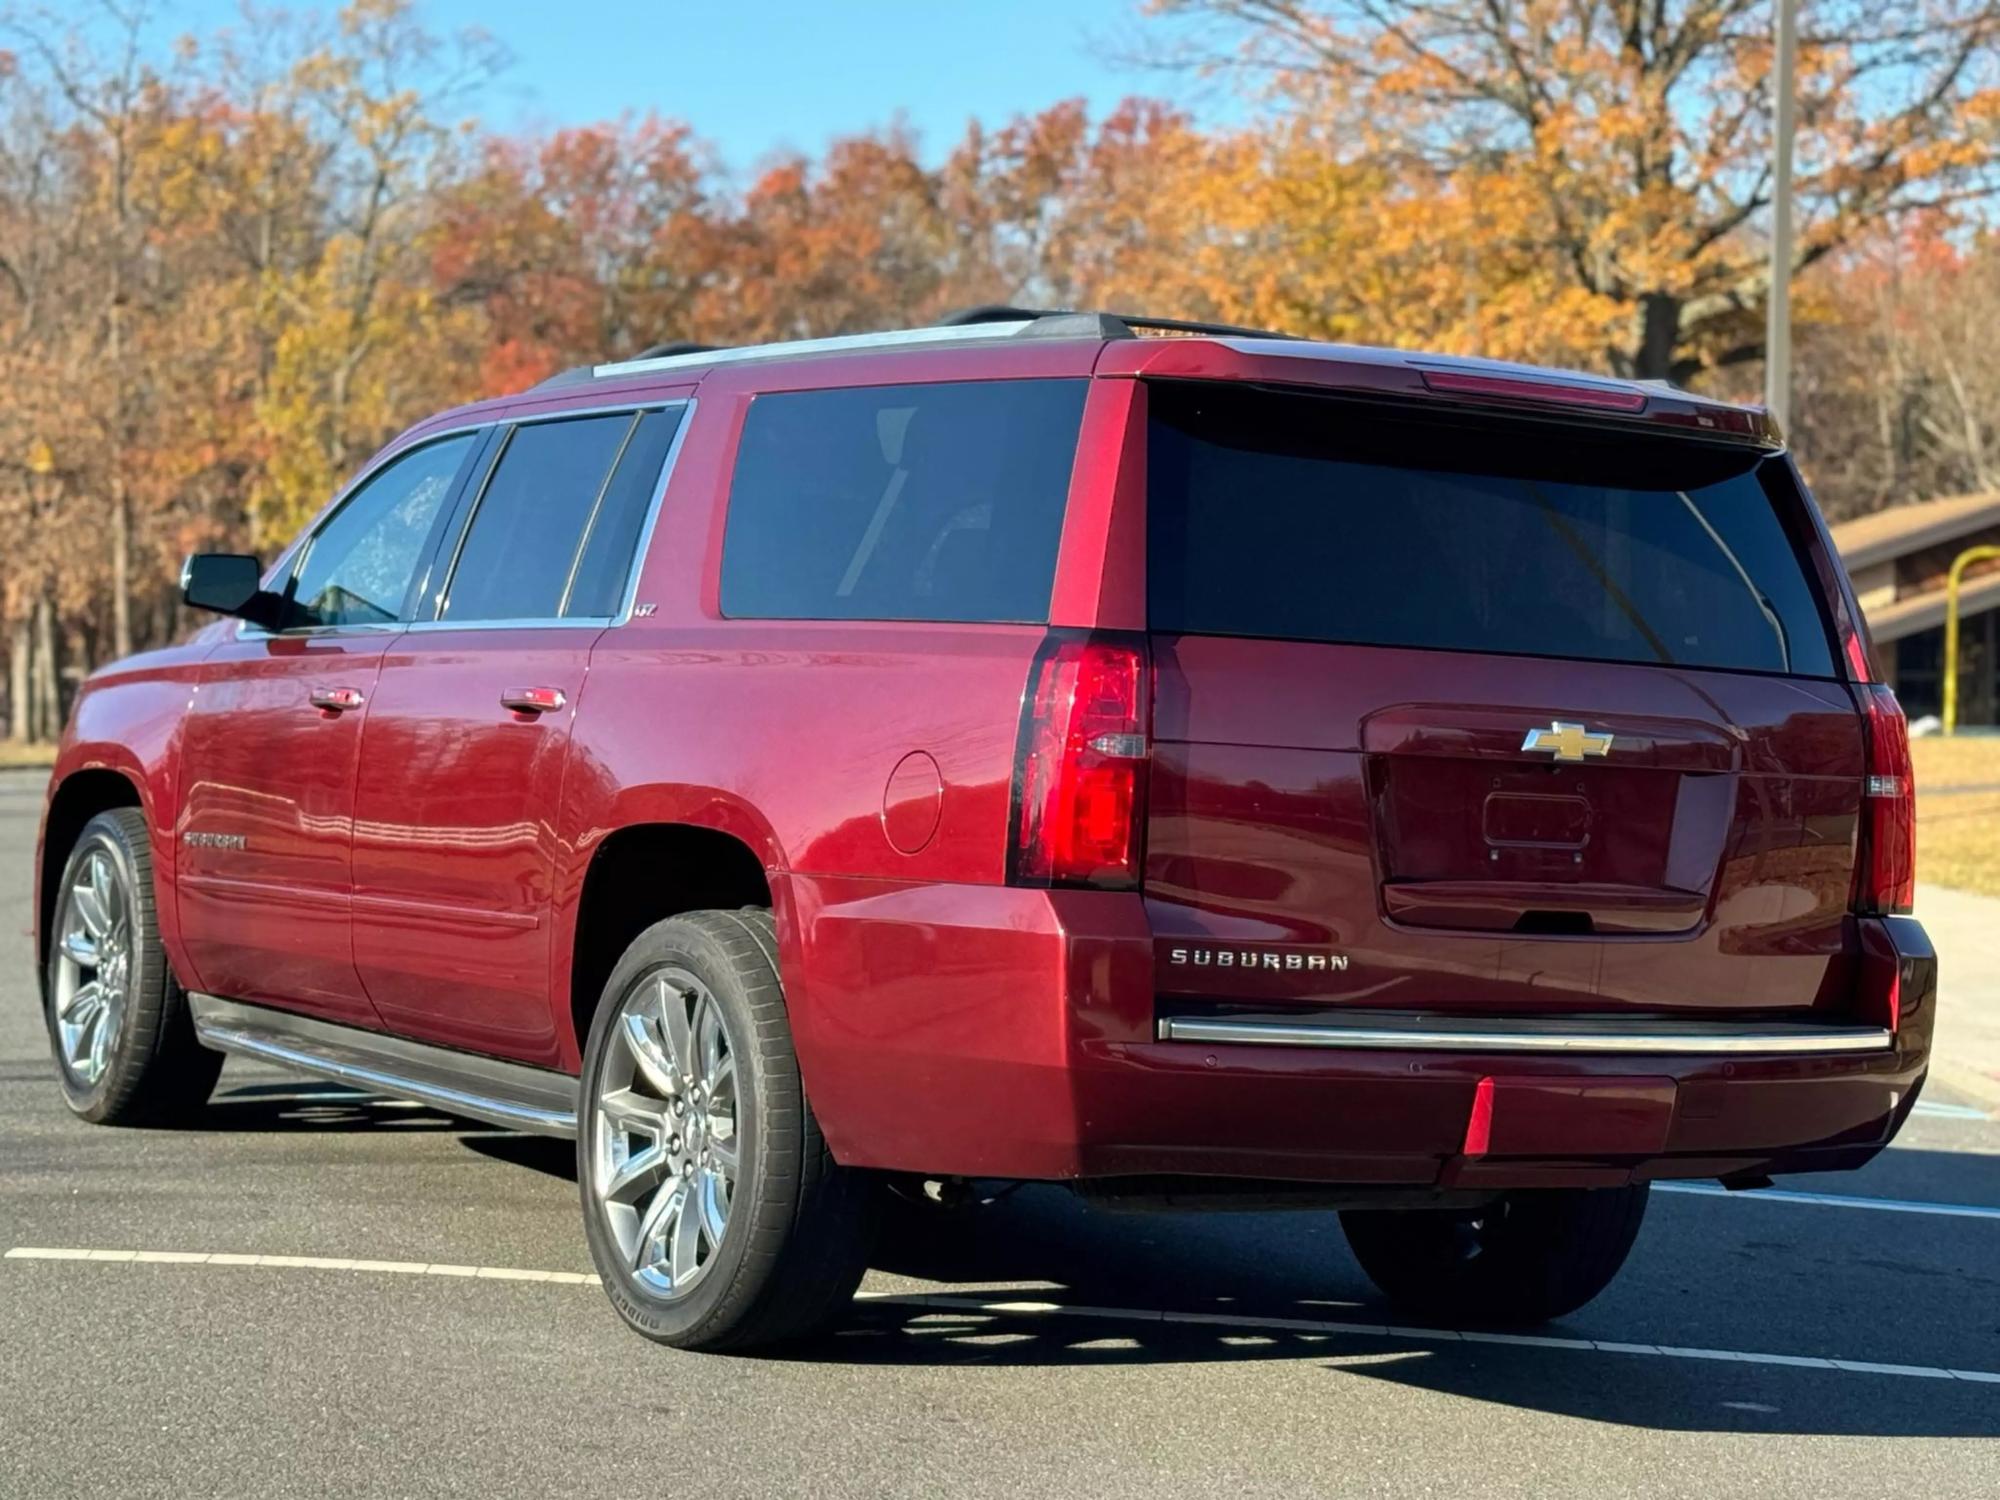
[
  {"x": 674, "y": 346},
  {"x": 1068, "y": 322},
  {"x": 990, "y": 312},
  {"x": 671, "y": 349},
  {"x": 992, "y": 321}
]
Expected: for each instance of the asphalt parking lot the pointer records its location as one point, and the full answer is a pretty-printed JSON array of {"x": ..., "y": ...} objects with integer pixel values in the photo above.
[{"x": 417, "y": 1343}]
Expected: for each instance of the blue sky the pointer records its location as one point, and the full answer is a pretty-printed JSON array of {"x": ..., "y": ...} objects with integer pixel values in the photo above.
[{"x": 760, "y": 75}]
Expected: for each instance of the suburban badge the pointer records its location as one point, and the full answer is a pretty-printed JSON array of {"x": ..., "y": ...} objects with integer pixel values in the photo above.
[
  {"x": 1292, "y": 960},
  {"x": 196, "y": 839}
]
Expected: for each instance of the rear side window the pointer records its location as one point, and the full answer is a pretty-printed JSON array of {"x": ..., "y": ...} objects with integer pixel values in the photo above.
[
  {"x": 515, "y": 561},
  {"x": 1309, "y": 518},
  {"x": 913, "y": 502}
]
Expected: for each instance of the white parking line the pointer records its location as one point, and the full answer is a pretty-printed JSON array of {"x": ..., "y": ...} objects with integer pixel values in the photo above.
[
  {"x": 1937, "y": 1109},
  {"x": 1833, "y": 1200},
  {"x": 298, "y": 1263},
  {"x": 1305, "y": 1327},
  {"x": 1004, "y": 1307}
]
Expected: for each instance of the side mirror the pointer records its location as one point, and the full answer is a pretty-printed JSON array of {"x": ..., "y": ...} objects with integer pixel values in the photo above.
[{"x": 228, "y": 583}]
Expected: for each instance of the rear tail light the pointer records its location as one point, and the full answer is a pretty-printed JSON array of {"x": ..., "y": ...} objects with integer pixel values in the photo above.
[
  {"x": 1080, "y": 773},
  {"x": 1886, "y": 879}
]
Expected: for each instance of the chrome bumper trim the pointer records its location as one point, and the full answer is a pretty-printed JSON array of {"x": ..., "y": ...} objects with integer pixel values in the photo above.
[{"x": 1788, "y": 1041}]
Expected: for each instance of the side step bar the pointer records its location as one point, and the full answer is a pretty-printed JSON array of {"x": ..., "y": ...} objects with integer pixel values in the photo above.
[
  {"x": 456, "y": 1083},
  {"x": 1620, "y": 1036}
]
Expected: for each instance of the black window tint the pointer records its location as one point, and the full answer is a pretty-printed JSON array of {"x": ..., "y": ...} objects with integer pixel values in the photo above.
[
  {"x": 515, "y": 560},
  {"x": 915, "y": 502},
  {"x": 607, "y": 560},
  {"x": 358, "y": 567},
  {"x": 1312, "y": 519}
]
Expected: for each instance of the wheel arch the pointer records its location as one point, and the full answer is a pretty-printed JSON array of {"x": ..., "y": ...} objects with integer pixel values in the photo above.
[
  {"x": 77, "y": 798},
  {"x": 644, "y": 872}
]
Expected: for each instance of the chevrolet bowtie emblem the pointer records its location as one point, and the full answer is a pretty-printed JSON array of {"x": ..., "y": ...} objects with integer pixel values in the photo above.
[{"x": 1567, "y": 741}]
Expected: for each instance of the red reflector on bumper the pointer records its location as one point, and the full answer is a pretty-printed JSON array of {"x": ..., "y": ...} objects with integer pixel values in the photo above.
[
  {"x": 1479, "y": 1127},
  {"x": 1570, "y": 1117}
]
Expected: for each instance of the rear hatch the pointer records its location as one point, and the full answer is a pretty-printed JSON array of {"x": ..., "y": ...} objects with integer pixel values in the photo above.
[{"x": 1481, "y": 713}]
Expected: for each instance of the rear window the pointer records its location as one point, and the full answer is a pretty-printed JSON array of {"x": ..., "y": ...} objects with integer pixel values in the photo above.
[
  {"x": 910, "y": 502},
  {"x": 1310, "y": 518}
]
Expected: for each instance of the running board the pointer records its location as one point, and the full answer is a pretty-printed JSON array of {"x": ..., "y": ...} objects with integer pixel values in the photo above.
[
  {"x": 1386, "y": 1031},
  {"x": 456, "y": 1083}
]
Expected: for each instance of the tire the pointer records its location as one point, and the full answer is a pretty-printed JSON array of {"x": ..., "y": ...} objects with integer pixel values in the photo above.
[
  {"x": 796, "y": 1228},
  {"x": 118, "y": 1021},
  {"x": 1524, "y": 1259}
]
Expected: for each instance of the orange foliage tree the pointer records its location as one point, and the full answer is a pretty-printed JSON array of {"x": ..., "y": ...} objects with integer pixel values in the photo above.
[{"x": 1590, "y": 174}]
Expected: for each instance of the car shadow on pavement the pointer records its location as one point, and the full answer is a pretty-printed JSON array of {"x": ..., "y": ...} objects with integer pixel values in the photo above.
[
  {"x": 539, "y": 1153},
  {"x": 1650, "y": 1392},
  {"x": 309, "y": 1107},
  {"x": 1231, "y": 1270}
]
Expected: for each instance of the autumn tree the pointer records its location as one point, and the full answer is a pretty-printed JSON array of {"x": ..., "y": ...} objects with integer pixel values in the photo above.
[
  {"x": 110, "y": 101},
  {"x": 1898, "y": 378},
  {"x": 1624, "y": 145},
  {"x": 590, "y": 243},
  {"x": 364, "y": 338}
]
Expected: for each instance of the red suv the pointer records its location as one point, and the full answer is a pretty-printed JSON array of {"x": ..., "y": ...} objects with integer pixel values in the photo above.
[{"x": 1212, "y": 769}]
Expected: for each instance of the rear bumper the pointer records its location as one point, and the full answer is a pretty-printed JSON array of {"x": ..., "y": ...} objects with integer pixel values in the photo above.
[{"x": 986, "y": 1031}]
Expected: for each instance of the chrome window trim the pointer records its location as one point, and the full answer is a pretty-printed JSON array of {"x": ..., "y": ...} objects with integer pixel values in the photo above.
[
  {"x": 1765, "y": 1041},
  {"x": 686, "y": 405},
  {"x": 567, "y": 622},
  {"x": 245, "y": 631},
  {"x": 644, "y": 546}
]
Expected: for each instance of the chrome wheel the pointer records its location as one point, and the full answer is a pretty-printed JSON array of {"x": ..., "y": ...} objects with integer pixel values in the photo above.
[
  {"x": 93, "y": 964},
  {"x": 664, "y": 1148}
]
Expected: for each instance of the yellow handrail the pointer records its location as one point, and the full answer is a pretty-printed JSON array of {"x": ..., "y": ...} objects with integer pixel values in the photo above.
[{"x": 1958, "y": 566}]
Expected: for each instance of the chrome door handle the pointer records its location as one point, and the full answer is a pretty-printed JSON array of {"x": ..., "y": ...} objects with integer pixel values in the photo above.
[
  {"x": 336, "y": 700},
  {"x": 533, "y": 700}
]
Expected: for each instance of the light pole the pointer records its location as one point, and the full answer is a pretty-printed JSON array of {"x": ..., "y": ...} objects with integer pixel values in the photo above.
[{"x": 1778, "y": 328}]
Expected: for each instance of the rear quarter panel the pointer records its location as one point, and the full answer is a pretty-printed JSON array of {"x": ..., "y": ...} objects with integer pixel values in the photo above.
[{"x": 787, "y": 733}]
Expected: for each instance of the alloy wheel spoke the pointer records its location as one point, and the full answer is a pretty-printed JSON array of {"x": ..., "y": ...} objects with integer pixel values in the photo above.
[
  {"x": 651, "y": 1059},
  {"x": 634, "y": 1114},
  {"x": 686, "y": 1245},
  {"x": 708, "y": 1041},
  {"x": 638, "y": 1171},
  {"x": 102, "y": 1027},
  {"x": 84, "y": 1002},
  {"x": 88, "y": 900},
  {"x": 674, "y": 1027},
  {"x": 722, "y": 1151},
  {"x": 660, "y": 1220},
  {"x": 712, "y": 1202},
  {"x": 78, "y": 948},
  {"x": 722, "y": 1087},
  {"x": 110, "y": 892}
]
